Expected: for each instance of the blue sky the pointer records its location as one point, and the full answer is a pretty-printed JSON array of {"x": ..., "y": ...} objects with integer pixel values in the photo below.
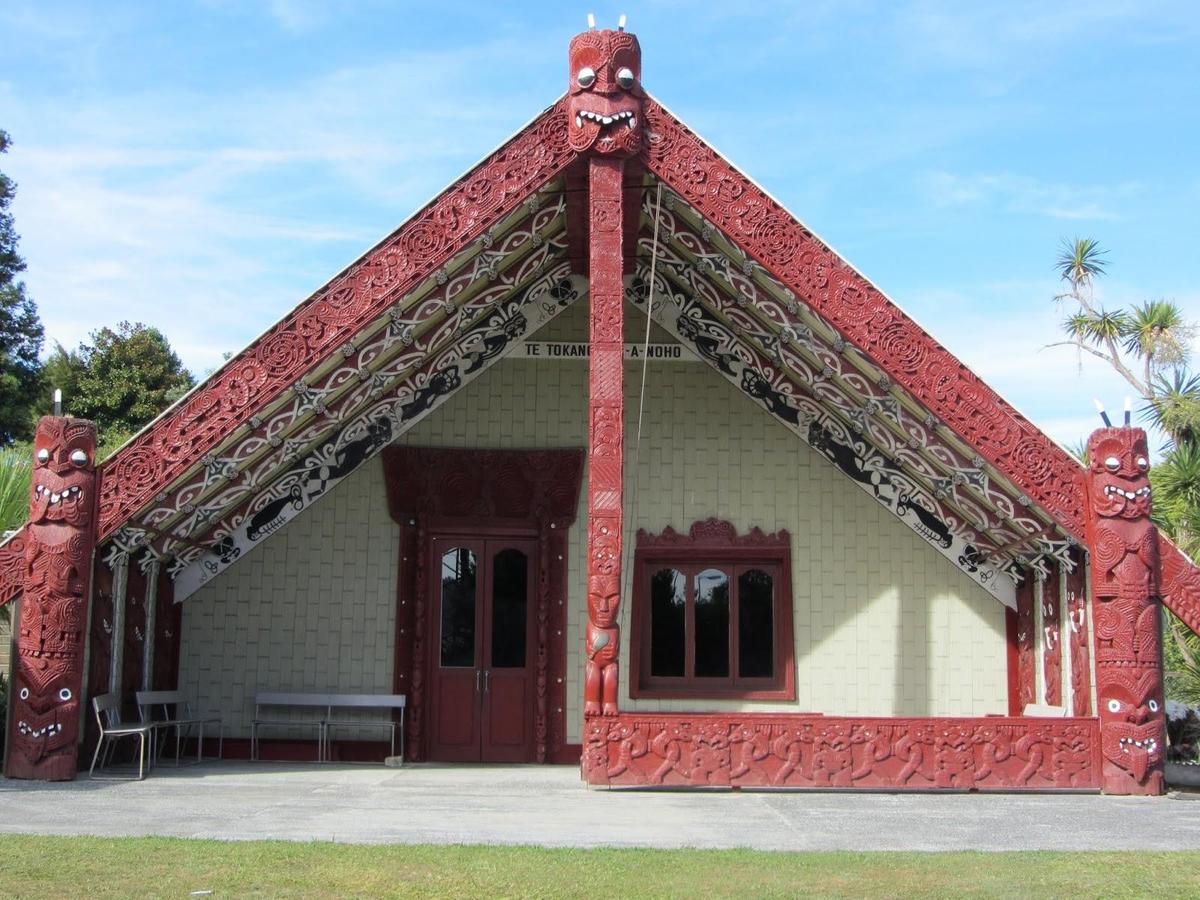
[{"x": 204, "y": 166}]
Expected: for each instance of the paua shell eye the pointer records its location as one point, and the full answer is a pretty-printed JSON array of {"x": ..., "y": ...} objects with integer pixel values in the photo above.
[
  {"x": 1114, "y": 706},
  {"x": 1143, "y": 463},
  {"x": 78, "y": 457},
  {"x": 586, "y": 76},
  {"x": 43, "y": 456},
  {"x": 1112, "y": 464},
  {"x": 625, "y": 78},
  {"x": 64, "y": 695},
  {"x": 1153, "y": 706}
]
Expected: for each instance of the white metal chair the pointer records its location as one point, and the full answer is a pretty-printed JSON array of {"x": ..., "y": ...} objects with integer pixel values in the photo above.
[
  {"x": 166, "y": 710},
  {"x": 108, "y": 718}
]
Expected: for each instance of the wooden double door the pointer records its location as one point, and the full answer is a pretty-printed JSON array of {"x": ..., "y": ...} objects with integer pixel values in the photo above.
[{"x": 484, "y": 649}]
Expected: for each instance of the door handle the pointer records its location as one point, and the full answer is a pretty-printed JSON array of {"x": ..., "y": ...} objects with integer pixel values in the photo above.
[
  {"x": 477, "y": 681},
  {"x": 487, "y": 681}
]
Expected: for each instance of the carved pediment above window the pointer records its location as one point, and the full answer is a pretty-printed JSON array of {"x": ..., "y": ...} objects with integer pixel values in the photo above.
[{"x": 713, "y": 532}]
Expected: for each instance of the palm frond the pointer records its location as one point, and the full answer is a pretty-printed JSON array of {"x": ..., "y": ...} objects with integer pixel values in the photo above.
[{"x": 1081, "y": 260}]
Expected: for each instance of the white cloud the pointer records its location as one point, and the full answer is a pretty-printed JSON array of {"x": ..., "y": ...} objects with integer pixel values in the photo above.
[{"x": 1012, "y": 193}]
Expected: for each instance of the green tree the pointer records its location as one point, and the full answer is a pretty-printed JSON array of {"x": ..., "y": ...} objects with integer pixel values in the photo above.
[
  {"x": 121, "y": 380},
  {"x": 1147, "y": 345},
  {"x": 20, "y": 328}
]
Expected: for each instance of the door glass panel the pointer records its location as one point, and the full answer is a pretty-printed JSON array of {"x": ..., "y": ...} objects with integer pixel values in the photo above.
[
  {"x": 756, "y": 625},
  {"x": 668, "y": 602},
  {"x": 712, "y": 624},
  {"x": 510, "y": 574},
  {"x": 458, "y": 607}
]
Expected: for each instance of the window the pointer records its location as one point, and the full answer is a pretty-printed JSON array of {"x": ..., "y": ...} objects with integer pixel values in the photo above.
[{"x": 712, "y": 614}]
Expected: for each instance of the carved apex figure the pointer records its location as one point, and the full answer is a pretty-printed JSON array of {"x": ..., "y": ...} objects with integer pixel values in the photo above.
[
  {"x": 1123, "y": 546},
  {"x": 604, "y": 96},
  {"x": 44, "y": 720}
]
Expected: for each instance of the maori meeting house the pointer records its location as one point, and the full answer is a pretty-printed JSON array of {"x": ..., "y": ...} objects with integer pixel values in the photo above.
[{"x": 604, "y": 458}]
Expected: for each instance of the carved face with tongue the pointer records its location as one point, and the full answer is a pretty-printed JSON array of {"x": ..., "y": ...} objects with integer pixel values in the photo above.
[
  {"x": 604, "y": 97},
  {"x": 1118, "y": 465},
  {"x": 1131, "y": 715}
]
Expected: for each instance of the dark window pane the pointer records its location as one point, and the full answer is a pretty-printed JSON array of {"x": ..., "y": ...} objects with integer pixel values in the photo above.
[
  {"x": 510, "y": 571},
  {"x": 712, "y": 624},
  {"x": 756, "y": 624},
  {"x": 667, "y": 607},
  {"x": 458, "y": 607}
]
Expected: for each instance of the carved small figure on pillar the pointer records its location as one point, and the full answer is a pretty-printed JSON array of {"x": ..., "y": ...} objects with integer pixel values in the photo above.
[
  {"x": 1125, "y": 611},
  {"x": 48, "y": 674},
  {"x": 600, "y": 677}
]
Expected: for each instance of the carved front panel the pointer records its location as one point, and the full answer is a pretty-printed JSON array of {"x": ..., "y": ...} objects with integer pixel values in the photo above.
[{"x": 827, "y": 752}]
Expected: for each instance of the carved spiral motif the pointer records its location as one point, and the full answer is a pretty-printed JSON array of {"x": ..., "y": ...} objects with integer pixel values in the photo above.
[
  {"x": 282, "y": 353},
  {"x": 907, "y": 354}
]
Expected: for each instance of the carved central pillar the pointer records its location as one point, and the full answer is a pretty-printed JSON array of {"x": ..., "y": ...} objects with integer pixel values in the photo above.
[
  {"x": 1126, "y": 611},
  {"x": 605, "y": 124},
  {"x": 606, "y": 410},
  {"x": 48, "y": 672}
]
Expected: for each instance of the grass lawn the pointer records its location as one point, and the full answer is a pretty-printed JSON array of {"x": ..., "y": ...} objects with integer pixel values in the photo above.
[{"x": 167, "y": 867}]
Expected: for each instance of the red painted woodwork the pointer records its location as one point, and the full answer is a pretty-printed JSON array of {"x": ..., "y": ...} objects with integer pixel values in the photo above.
[
  {"x": 604, "y": 93},
  {"x": 133, "y": 654},
  {"x": 1026, "y": 673},
  {"x": 12, "y": 569},
  {"x": 1125, "y": 611},
  {"x": 1080, "y": 659},
  {"x": 606, "y": 451},
  {"x": 332, "y": 316},
  {"x": 865, "y": 317},
  {"x": 1012, "y": 658},
  {"x": 532, "y": 492},
  {"x": 43, "y": 723},
  {"x": 168, "y": 622},
  {"x": 1052, "y": 638},
  {"x": 706, "y": 541},
  {"x": 1180, "y": 584},
  {"x": 805, "y": 751}
]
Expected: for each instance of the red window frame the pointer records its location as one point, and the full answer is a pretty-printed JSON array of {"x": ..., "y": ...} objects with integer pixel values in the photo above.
[{"x": 713, "y": 544}]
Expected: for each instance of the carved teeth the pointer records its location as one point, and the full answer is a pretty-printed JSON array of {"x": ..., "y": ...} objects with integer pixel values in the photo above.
[
  {"x": 24, "y": 728},
  {"x": 1110, "y": 489},
  {"x": 1149, "y": 744}
]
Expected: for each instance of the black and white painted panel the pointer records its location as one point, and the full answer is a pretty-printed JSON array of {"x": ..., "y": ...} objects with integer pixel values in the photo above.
[
  {"x": 758, "y": 378},
  {"x": 380, "y": 423},
  {"x": 698, "y": 257}
]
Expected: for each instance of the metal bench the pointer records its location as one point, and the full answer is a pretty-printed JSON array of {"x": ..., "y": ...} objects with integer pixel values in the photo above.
[
  {"x": 328, "y": 703},
  {"x": 278, "y": 699},
  {"x": 366, "y": 701},
  {"x": 165, "y": 710}
]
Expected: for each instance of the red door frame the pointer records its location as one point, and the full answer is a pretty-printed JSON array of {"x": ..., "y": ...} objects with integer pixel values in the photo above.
[{"x": 517, "y": 492}]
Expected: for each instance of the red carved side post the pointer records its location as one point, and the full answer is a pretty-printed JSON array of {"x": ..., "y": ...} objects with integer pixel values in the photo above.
[
  {"x": 605, "y": 121},
  {"x": 1052, "y": 638},
  {"x": 1125, "y": 611},
  {"x": 1080, "y": 658},
  {"x": 48, "y": 670},
  {"x": 1026, "y": 675}
]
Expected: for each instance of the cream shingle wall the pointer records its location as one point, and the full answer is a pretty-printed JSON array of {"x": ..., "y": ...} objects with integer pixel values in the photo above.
[
  {"x": 883, "y": 624},
  {"x": 313, "y": 609}
]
